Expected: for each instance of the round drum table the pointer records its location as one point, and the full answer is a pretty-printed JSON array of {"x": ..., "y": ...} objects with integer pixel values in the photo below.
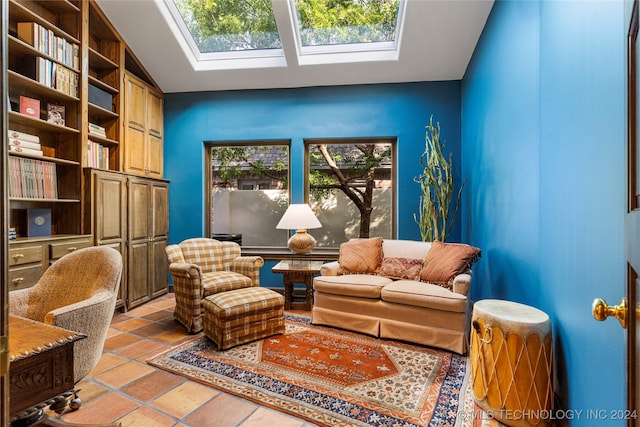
[{"x": 511, "y": 355}]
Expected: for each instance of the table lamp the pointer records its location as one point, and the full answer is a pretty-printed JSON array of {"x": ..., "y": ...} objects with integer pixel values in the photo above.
[{"x": 299, "y": 217}]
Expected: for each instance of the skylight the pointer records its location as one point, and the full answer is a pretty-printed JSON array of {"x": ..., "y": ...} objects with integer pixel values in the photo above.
[
  {"x": 226, "y": 34},
  {"x": 225, "y": 26}
]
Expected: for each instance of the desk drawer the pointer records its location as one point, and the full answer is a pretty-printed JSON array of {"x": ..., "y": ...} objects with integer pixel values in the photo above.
[
  {"x": 25, "y": 255},
  {"x": 58, "y": 250},
  {"x": 24, "y": 277}
]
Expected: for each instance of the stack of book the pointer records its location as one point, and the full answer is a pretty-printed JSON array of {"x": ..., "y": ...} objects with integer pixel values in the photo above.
[
  {"x": 12, "y": 233},
  {"x": 98, "y": 130},
  {"x": 32, "y": 179},
  {"x": 25, "y": 143}
]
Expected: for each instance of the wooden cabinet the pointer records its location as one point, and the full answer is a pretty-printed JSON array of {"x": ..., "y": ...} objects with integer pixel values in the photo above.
[
  {"x": 147, "y": 238},
  {"x": 130, "y": 214},
  {"x": 29, "y": 258},
  {"x": 143, "y": 128}
]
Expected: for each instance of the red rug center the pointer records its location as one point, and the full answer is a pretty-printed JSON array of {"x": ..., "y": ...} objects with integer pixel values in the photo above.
[{"x": 333, "y": 358}]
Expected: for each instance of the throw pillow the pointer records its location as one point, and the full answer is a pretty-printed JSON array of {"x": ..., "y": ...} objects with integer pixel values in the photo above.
[
  {"x": 446, "y": 260},
  {"x": 361, "y": 256},
  {"x": 401, "y": 268}
]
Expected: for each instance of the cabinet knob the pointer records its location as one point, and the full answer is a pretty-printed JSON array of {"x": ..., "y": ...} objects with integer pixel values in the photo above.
[
  {"x": 71, "y": 248},
  {"x": 99, "y": 242},
  {"x": 17, "y": 281},
  {"x": 17, "y": 257}
]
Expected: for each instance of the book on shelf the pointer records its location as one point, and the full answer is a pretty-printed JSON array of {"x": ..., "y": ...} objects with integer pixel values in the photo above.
[
  {"x": 97, "y": 155},
  {"x": 23, "y": 136},
  {"x": 23, "y": 150},
  {"x": 55, "y": 114},
  {"x": 30, "y": 106},
  {"x": 45, "y": 41},
  {"x": 24, "y": 144},
  {"x": 50, "y": 74},
  {"x": 12, "y": 233},
  {"x": 32, "y": 179}
]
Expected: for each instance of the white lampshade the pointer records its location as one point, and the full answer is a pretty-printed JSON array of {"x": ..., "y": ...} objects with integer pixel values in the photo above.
[{"x": 298, "y": 216}]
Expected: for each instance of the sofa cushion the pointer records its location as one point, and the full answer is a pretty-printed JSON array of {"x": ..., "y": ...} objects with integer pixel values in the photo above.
[
  {"x": 411, "y": 292},
  {"x": 446, "y": 260},
  {"x": 354, "y": 285},
  {"x": 401, "y": 268},
  {"x": 405, "y": 248},
  {"x": 362, "y": 256}
]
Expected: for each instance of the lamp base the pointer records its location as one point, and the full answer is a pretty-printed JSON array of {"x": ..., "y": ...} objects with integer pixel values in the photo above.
[{"x": 301, "y": 242}]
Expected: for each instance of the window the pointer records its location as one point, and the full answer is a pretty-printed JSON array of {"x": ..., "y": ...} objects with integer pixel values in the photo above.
[
  {"x": 229, "y": 34},
  {"x": 347, "y": 31},
  {"x": 351, "y": 188},
  {"x": 248, "y": 190}
]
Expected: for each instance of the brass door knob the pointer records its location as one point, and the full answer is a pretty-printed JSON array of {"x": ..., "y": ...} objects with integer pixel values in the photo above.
[{"x": 601, "y": 310}]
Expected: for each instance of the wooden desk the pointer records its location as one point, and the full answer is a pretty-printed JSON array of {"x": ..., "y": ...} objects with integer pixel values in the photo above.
[
  {"x": 297, "y": 271},
  {"x": 41, "y": 362}
]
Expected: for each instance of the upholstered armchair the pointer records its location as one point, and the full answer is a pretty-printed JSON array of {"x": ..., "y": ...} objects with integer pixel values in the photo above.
[
  {"x": 77, "y": 292},
  {"x": 201, "y": 267}
]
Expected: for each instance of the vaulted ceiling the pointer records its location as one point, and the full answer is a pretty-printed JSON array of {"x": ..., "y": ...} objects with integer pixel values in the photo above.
[{"x": 437, "y": 41}]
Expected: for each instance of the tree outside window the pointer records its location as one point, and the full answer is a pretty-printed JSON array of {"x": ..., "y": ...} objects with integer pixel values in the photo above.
[{"x": 350, "y": 185}]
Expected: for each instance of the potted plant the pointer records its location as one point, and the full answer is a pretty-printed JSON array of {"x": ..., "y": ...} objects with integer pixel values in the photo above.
[{"x": 436, "y": 182}]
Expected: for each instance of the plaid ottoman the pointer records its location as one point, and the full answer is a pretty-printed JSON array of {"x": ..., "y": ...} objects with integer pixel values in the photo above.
[{"x": 243, "y": 315}]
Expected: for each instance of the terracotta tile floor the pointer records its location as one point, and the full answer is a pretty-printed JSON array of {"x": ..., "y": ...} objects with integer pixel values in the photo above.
[{"x": 124, "y": 388}]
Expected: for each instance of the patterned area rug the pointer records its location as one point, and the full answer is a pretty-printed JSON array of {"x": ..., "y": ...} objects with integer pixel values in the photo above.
[{"x": 334, "y": 378}]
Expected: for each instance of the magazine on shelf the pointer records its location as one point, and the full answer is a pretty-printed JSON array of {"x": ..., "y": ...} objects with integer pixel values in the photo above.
[{"x": 55, "y": 114}]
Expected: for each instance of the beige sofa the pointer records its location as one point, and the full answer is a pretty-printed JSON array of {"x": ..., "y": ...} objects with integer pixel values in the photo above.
[{"x": 380, "y": 294}]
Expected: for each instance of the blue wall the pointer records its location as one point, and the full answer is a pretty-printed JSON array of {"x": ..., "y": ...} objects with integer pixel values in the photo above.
[
  {"x": 400, "y": 110},
  {"x": 543, "y": 145}
]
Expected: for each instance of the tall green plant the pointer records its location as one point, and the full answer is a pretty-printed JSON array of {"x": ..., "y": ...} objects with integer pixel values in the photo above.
[{"x": 436, "y": 183}]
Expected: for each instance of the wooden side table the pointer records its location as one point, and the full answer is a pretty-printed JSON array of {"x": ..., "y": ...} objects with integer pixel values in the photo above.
[
  {"x": 297, "y": 271},
  {"x": 41, "y": 363}
]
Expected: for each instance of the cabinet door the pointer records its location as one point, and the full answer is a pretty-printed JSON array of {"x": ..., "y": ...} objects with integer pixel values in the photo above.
[
  {"x": 110, "y": 219},
  {"x": 110, "y": 208},
  {"x": 159, "y": 262},
  {"x": 139, "y": 227},
  {"x": 160, "y": 214},
  {"x": 139, "y": 210},
  {"x": 155, "y": 117},
  {"x": 138, "y": 268},
  {"x": 135, "y": 129},
  {"x": 160, "y": 231},
  {"x": 155, "y": 142}
]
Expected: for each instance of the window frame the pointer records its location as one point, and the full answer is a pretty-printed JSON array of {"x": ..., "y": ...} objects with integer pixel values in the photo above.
[
  {"x": 208, "y": 146},
  {"x": 393, "y": 140}
]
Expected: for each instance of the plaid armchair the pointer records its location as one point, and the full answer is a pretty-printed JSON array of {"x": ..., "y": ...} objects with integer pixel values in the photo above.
[{"x": 201, "y": 267}]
